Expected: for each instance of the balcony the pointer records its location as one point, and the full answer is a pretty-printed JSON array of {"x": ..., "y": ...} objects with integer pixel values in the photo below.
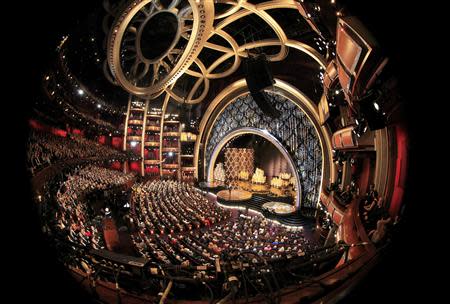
[
  {"x": 152, "y": 143},
  {"x": 135, "y": 122},
  {"x": 171, "y": 134},
  {"x": 188, "y": 169},
  {"x": 168, "y": 172},
  {"x": 134, "y": 138},
  {"x": 151, "y": 162},
  {"x": 170, "y": 149},
  {"x": 153, "y": 128},
  {"x": 170, "y": 166}
]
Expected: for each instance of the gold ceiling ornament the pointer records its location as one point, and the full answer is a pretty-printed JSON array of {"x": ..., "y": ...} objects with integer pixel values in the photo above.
[
  {"x": 149, "y": 72},
  {"x": 140, "y": 67}
]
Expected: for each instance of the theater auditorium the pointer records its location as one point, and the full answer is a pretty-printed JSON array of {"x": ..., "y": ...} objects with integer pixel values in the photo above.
[{"x": 199, "y": 151}]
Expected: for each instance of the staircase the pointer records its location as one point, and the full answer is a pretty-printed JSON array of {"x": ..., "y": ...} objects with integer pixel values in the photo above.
[{"x": 293, "y": 219}]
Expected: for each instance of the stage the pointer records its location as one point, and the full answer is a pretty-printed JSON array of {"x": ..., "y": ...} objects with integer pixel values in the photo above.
[
  {"x": 256, "y": 202},
  {"x": 279, "y": 208},
  {"x": 234, "y": 195}
]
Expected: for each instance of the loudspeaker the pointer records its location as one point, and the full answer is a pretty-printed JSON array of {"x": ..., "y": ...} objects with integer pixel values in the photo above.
[
  {"x": 262, "y": 100},
  {"x": 258, "y": 73},
  {"x": 259, "y": 77}
]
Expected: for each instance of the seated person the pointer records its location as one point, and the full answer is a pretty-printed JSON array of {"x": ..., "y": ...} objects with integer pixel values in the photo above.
[
  {"x": 371, "y": 195},
  {"x": 378, "y": 234},
  {"x": 375, "y": 211},
  {"x": 347, "y": 195}
]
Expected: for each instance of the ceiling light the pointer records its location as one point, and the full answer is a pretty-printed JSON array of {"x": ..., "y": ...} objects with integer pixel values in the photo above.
[
  {"x": 376, "y": 106},
  {"x": 80, "y": 92}
]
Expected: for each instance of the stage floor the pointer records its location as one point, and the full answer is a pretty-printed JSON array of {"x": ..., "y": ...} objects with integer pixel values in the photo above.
[
  {"x": 235, "y": 195},
  {"x": 256, "y": 203},
  {"x": 278, "y": 208}
]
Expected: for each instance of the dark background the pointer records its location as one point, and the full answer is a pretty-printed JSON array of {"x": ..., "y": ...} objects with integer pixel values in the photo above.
[{"x": 39, "y": 26}]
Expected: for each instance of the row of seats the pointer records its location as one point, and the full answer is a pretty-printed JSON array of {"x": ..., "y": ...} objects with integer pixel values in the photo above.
[
  {"x": 45, "y": 149},
  {"x": 176, "y": 224},
  {"x": 74, "y": 217}
]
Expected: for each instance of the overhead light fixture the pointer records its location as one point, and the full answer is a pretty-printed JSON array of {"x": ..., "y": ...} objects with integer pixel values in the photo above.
[{"x": 376, "y": 106}]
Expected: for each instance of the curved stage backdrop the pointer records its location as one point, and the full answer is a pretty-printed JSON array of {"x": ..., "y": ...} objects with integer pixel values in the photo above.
[{"x": 293, "y": 129}]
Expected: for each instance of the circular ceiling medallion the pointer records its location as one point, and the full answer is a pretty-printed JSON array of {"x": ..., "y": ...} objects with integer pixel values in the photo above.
[{"x": 152, "y": 43}]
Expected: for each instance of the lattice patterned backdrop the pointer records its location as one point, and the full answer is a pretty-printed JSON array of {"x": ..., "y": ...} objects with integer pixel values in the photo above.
[
  {"x": 293, "y": 129},
  {"x": 237, "y": 160}
]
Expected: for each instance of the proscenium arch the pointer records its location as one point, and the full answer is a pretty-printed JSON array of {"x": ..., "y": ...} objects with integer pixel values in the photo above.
[
  {"x": 293, "y": 129},
  {"x": 266, "y": 135},
  {"x": 239, "y": 88}
]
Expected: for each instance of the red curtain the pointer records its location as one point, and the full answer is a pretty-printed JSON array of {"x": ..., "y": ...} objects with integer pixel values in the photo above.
[
  {"x": 116, "y": 142},
  {"x": 78, "y": 132},
  {"x": 39, "y": 126},
  {"x": 102, "y": 139},
  {"x": 400, "y": 170},
  {"x": 116, "y": 165},
  {"x": 135, "y": 166},
  {"x": 152, "y": 170}
]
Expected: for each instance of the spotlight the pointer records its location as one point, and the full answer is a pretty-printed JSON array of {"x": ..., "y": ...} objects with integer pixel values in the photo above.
[
  {"x": 371, "y": 109},
  {"x": 133, "y": 144},
  {"x": 360, "y": 128},
  {"x": 99, "y": 106},
  {"x": 170, "y": 154},
  {"x": 376, "y": 106},
  {"x": 80, "y": 92}
]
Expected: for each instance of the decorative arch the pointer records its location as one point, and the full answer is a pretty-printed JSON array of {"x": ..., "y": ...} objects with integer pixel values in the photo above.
[
  {"x": 266, "y": 135},
  {"x": 299, "y": 111}
]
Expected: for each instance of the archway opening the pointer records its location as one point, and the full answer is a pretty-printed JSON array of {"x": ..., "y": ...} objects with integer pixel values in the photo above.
[{"x": 254, "y": 160}]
